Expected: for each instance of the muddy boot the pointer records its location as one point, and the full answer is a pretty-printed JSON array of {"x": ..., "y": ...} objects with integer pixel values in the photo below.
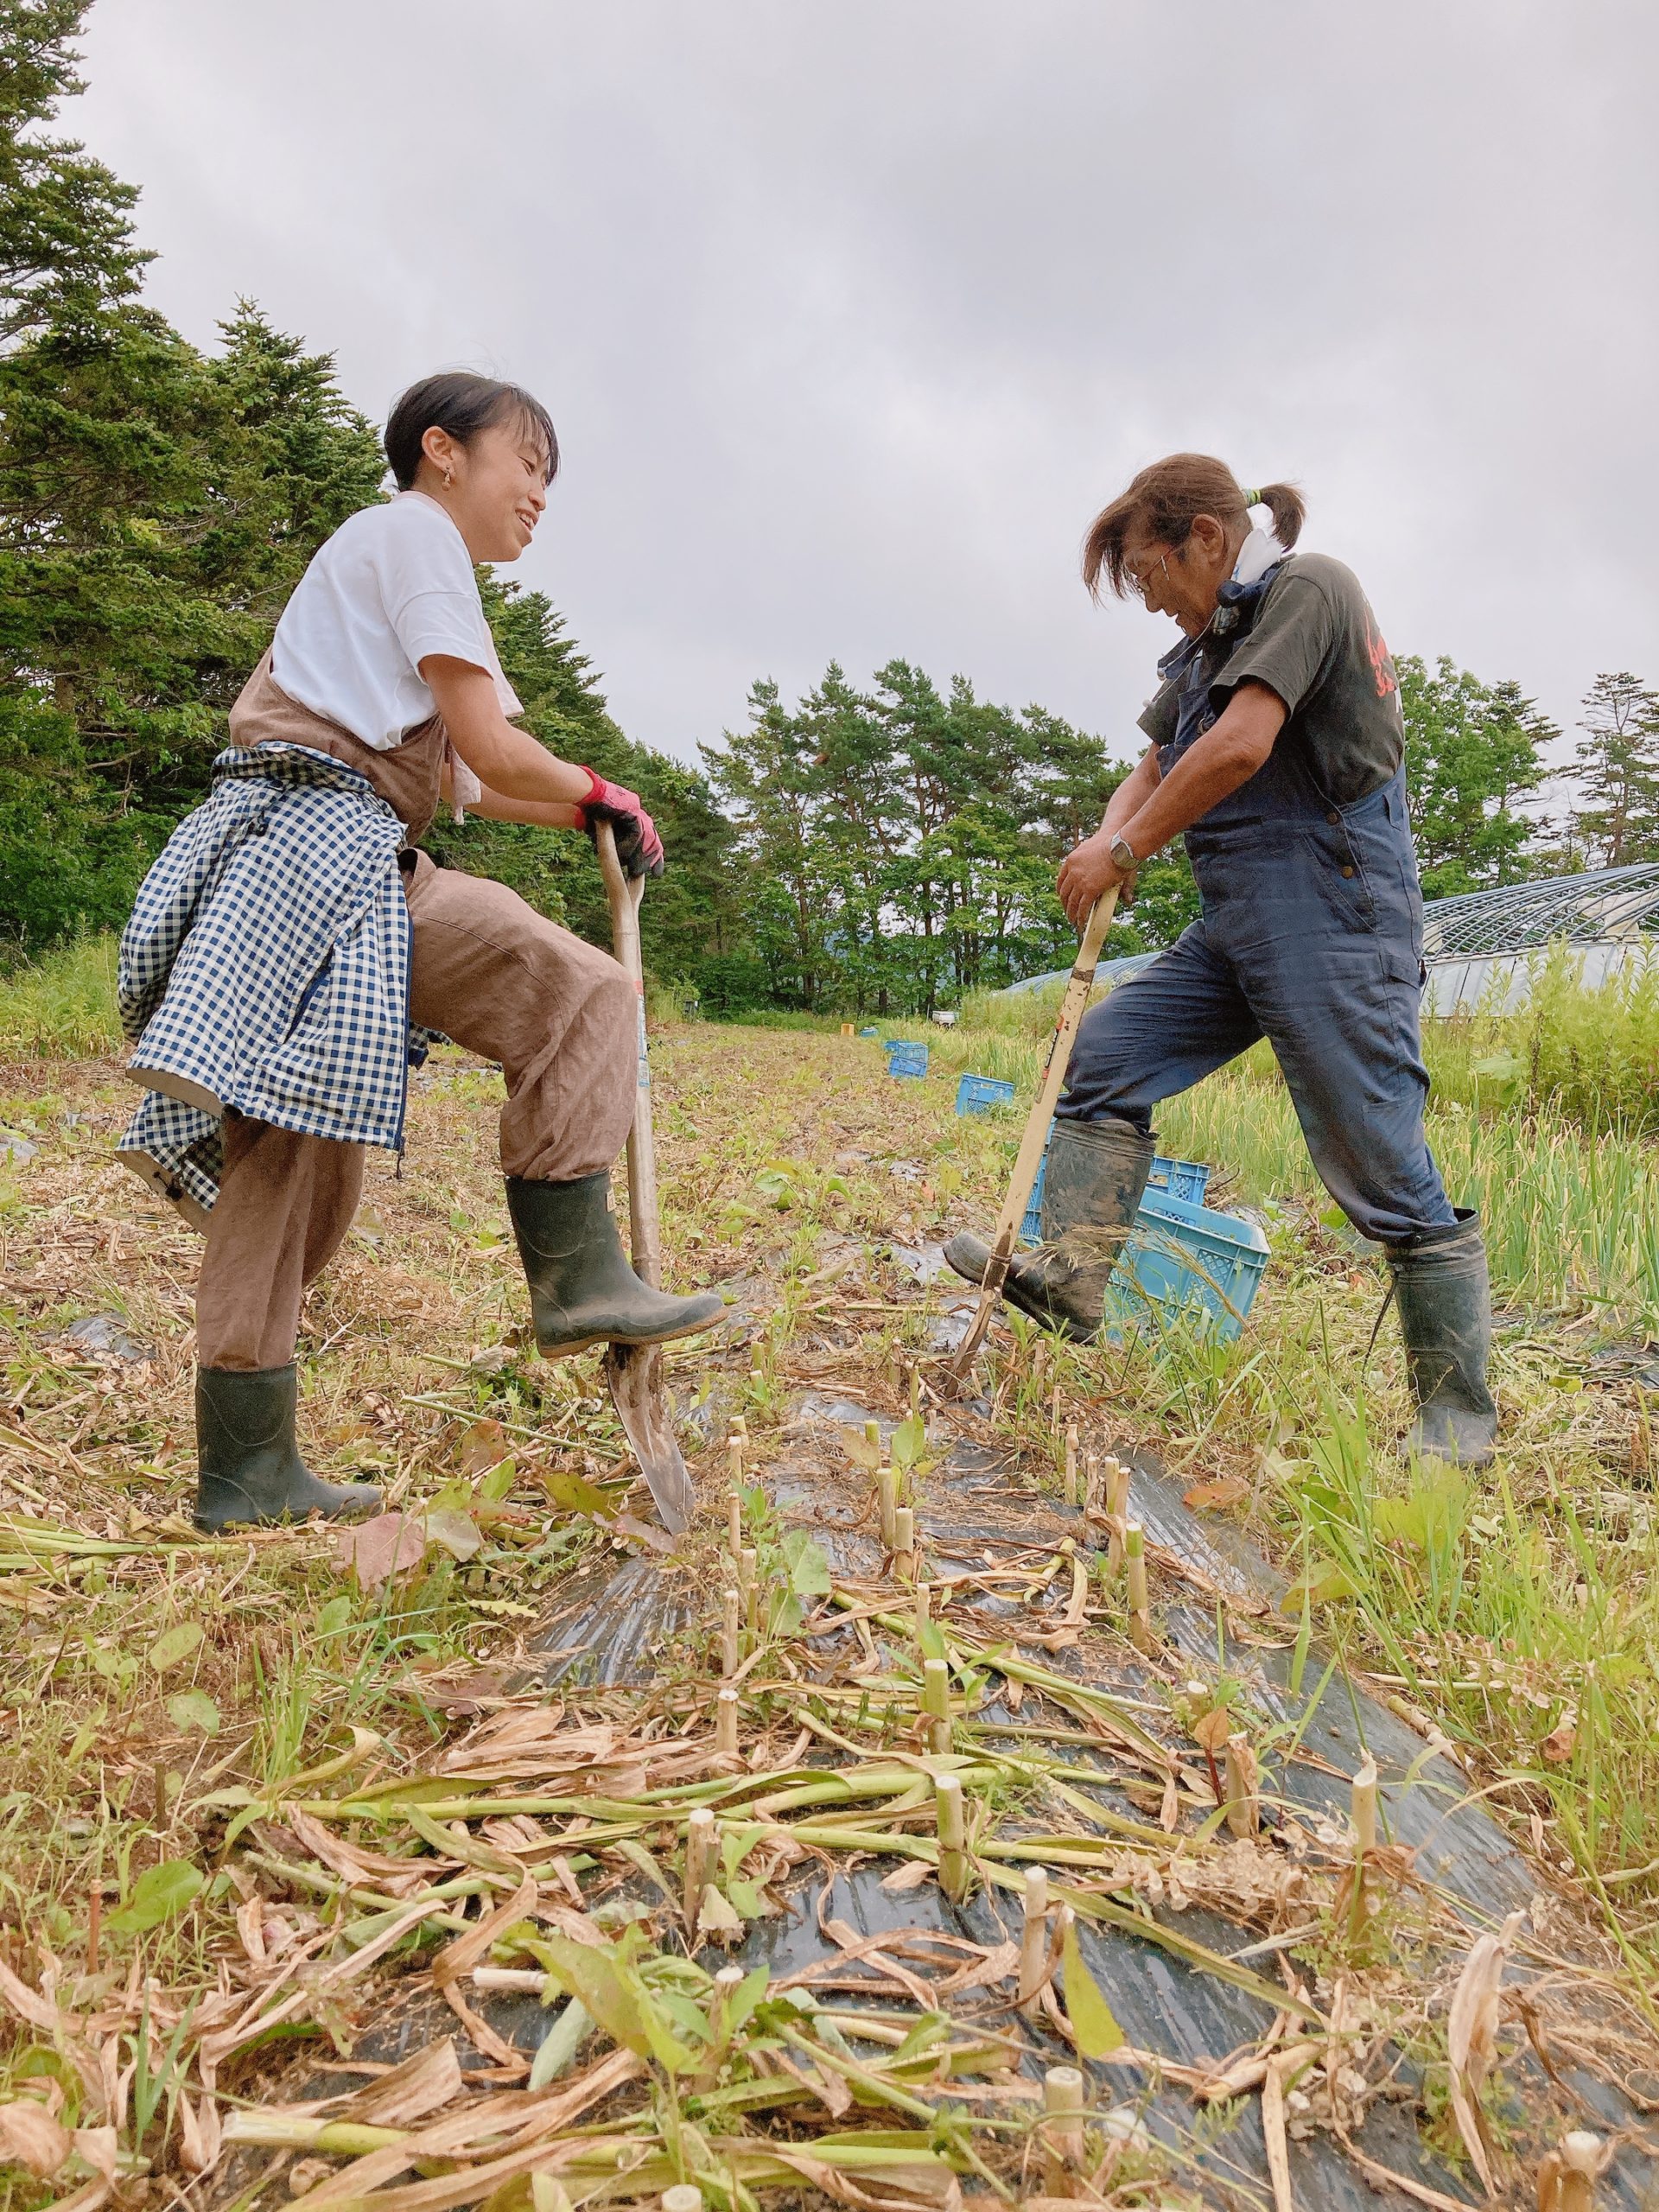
[
  {"x": 252, "y": 1474},
  {"x": 583, "y": 1291},
  {"x": 1097, "y": 1177},
  {"x": 1446, "y": 1318}
]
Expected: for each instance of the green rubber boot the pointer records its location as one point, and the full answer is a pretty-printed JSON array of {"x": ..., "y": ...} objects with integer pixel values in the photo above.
[
  {"x": 583, "y": 1291},
  {"x": 251, "y": 1475},
  {"x": 1446, "y": 1318},
  {"x": 1092, "y": 1191}
]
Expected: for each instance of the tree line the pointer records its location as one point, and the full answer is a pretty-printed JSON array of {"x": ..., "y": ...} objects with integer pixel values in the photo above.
[{"x": 872, "y": 846}]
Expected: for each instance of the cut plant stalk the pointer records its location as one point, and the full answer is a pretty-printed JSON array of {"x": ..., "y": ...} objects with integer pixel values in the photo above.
[
  {"x": 1069, "y": 1476},
  {"x": 1034, "y": 1939},
  {"x": 725, "y": 1741},
  {"x": 923, "y": 1609},
  {"x": 684, "y": 2197},
  {"x": 887, "y": 1488},
  {"x": 905, "y": 1561},
  {"x": 749, "y": 1561},
  {"x": 953, "y": 1836},
  {"x": 935, "y": 1703},
  {"x": 700, "y": 1849},
  {"x": 731, "y": 1625},
  {"x": 1063, "y": 2130},
  {"x": 1134, "y": 1558}
]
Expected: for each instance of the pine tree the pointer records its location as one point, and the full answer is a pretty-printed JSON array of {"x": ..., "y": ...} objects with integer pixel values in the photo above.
[
  {"x": 1616, "y": 770},
  {"x": 67, "y": 254}
]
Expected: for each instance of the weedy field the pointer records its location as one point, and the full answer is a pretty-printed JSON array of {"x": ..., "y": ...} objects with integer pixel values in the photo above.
[{"x": 257, "y": 1794}]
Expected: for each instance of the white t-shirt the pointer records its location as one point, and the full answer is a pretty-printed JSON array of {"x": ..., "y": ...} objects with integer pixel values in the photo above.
[{"x": 394, "y": 583}]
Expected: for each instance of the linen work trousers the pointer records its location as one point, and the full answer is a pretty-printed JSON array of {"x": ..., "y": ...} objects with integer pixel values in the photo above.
[{"x": 558, "y": 1015}]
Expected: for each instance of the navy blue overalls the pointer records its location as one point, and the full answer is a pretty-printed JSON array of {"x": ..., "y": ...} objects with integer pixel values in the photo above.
[{"x": 1311, "y": 935}]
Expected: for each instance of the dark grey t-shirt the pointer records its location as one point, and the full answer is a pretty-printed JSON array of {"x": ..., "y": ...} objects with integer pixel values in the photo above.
[{"x": 1315, "y": 642}]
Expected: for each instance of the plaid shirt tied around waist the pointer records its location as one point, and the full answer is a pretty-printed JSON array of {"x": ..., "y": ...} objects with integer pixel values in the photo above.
[{"x": 266, "y": 967}]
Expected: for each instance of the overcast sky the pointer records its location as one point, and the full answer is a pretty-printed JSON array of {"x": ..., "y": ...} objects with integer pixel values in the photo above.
[{"x": 851, "y": 313}]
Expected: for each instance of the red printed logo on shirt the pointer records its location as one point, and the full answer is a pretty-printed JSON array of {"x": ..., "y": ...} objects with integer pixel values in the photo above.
[{"x": 1382, "y": 662}]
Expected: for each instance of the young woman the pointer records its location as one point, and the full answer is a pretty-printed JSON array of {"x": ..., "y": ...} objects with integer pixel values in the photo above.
[
  {"x": 1276, "y": 748},
  {"x": 291, "y": 940}
]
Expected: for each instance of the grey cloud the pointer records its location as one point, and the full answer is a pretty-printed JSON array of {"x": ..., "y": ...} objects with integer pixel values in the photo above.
[{"x": 851, "y": 315}]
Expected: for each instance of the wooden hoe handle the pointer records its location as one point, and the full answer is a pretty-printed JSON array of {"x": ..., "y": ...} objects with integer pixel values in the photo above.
[{"x": 624, "y": 894}]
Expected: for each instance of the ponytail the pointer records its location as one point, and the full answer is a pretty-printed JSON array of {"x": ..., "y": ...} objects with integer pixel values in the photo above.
[{"x": 1288, "y": 509}]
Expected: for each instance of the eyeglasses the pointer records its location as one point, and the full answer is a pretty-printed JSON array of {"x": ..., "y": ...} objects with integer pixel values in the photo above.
[{"x": 1141, "y": 585}]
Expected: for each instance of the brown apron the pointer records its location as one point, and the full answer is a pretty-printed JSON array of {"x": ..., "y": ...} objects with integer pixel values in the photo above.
[{"x": 557, "y": 1015}]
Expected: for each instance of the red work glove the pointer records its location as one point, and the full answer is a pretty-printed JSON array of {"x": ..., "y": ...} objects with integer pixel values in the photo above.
[{"x": 638, "y": 846}]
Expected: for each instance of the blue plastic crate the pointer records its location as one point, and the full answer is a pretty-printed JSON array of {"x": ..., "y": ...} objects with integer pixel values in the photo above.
[
  {"x": 977, "y": 1094},
  {"x": 1183, "y": 1261},
  {"x": 1179, "y": 1178},
  {"x": 906, "y": 1058},
  {"x": 1170, "y": 1179},
  {"x": 869, "y": 1033}
]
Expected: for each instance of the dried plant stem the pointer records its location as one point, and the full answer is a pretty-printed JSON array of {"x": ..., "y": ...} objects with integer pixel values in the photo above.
[
  {"x": 749, "y": 1578},
  {"x": 924, "y": 1607},
  {"x": 1134, "y": 1558},
  {"x": 731, "y": 1624},
  {"x": 1364, "y": 1807},
  {"x": 935, "y": 1703},
  {"x": 1243, "y": 1788},
  {"x": 699, "y": 1862},
  {"x": 726, "y": 1723},
  {"x": 887, "y": 1487},
  {"x": 904, "y": 1543},
  {"x": 1070, "y": 1477},
  {"x": 953, "y": 1836},
  {"x": 1033, "y": 1939},
  {"x": 1063, "y": 2136}
]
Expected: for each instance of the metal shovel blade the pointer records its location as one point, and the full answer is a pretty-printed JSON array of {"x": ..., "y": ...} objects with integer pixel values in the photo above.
[{"x": 634, "y": 1376}]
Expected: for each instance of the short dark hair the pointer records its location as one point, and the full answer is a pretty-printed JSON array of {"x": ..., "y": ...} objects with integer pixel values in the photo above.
[{"x": 462, "y": 403}]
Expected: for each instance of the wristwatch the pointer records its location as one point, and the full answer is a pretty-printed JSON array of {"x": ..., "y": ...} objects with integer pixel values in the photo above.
[{"x": 1123, "y": 855}]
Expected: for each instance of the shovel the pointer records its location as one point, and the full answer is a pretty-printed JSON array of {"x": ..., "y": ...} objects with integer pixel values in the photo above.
[
  {"x": 1032, "y": 1144},
  {"x": 635, "y": 1372}
]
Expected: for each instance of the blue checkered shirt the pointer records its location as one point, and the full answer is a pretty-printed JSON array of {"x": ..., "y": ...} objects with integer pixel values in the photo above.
[{"x": 266, "y": 967}]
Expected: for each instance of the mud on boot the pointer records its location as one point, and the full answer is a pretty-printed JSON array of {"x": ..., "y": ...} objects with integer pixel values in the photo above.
[
  {"x": 583, "y": 1292},
  {"x": 251, "y": 1472},
  {"x": 1445, "y": 1317},
  {"x": 1095, "y": 1179}
]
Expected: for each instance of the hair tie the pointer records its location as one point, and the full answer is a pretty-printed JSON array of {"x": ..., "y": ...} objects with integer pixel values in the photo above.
[{"x": 1251, "y": 499}]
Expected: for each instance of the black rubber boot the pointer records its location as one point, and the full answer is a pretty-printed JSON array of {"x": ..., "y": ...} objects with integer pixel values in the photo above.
[
  {"x": 1446, "y": 1318},
  {"x": 583, "y": 1291},
  {"x": 252, "y": 1474},
  {"x": 1096, "y": 1180}
]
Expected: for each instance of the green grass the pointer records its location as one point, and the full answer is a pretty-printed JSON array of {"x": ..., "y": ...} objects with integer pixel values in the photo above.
[{"x": 62, "y": 1007}]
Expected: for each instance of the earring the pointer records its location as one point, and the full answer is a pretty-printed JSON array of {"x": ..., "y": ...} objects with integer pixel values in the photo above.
[{"x": 448, "y": 480}]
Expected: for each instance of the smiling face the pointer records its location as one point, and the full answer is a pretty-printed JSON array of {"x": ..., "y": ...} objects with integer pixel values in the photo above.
[
  {"x": 494, "y": 487},
  {"x": 1181, "y": 581}
]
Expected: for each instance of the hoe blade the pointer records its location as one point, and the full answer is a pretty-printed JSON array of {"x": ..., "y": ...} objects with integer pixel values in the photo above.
[{"x": 635, "y": 1375}]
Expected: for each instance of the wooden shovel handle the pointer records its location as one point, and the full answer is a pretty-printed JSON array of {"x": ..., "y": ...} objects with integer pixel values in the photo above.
[{"x": 1072, "y": 1007}]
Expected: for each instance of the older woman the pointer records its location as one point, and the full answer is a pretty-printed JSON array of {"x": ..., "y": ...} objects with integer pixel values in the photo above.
[{"x": 1276, "y": 749}]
